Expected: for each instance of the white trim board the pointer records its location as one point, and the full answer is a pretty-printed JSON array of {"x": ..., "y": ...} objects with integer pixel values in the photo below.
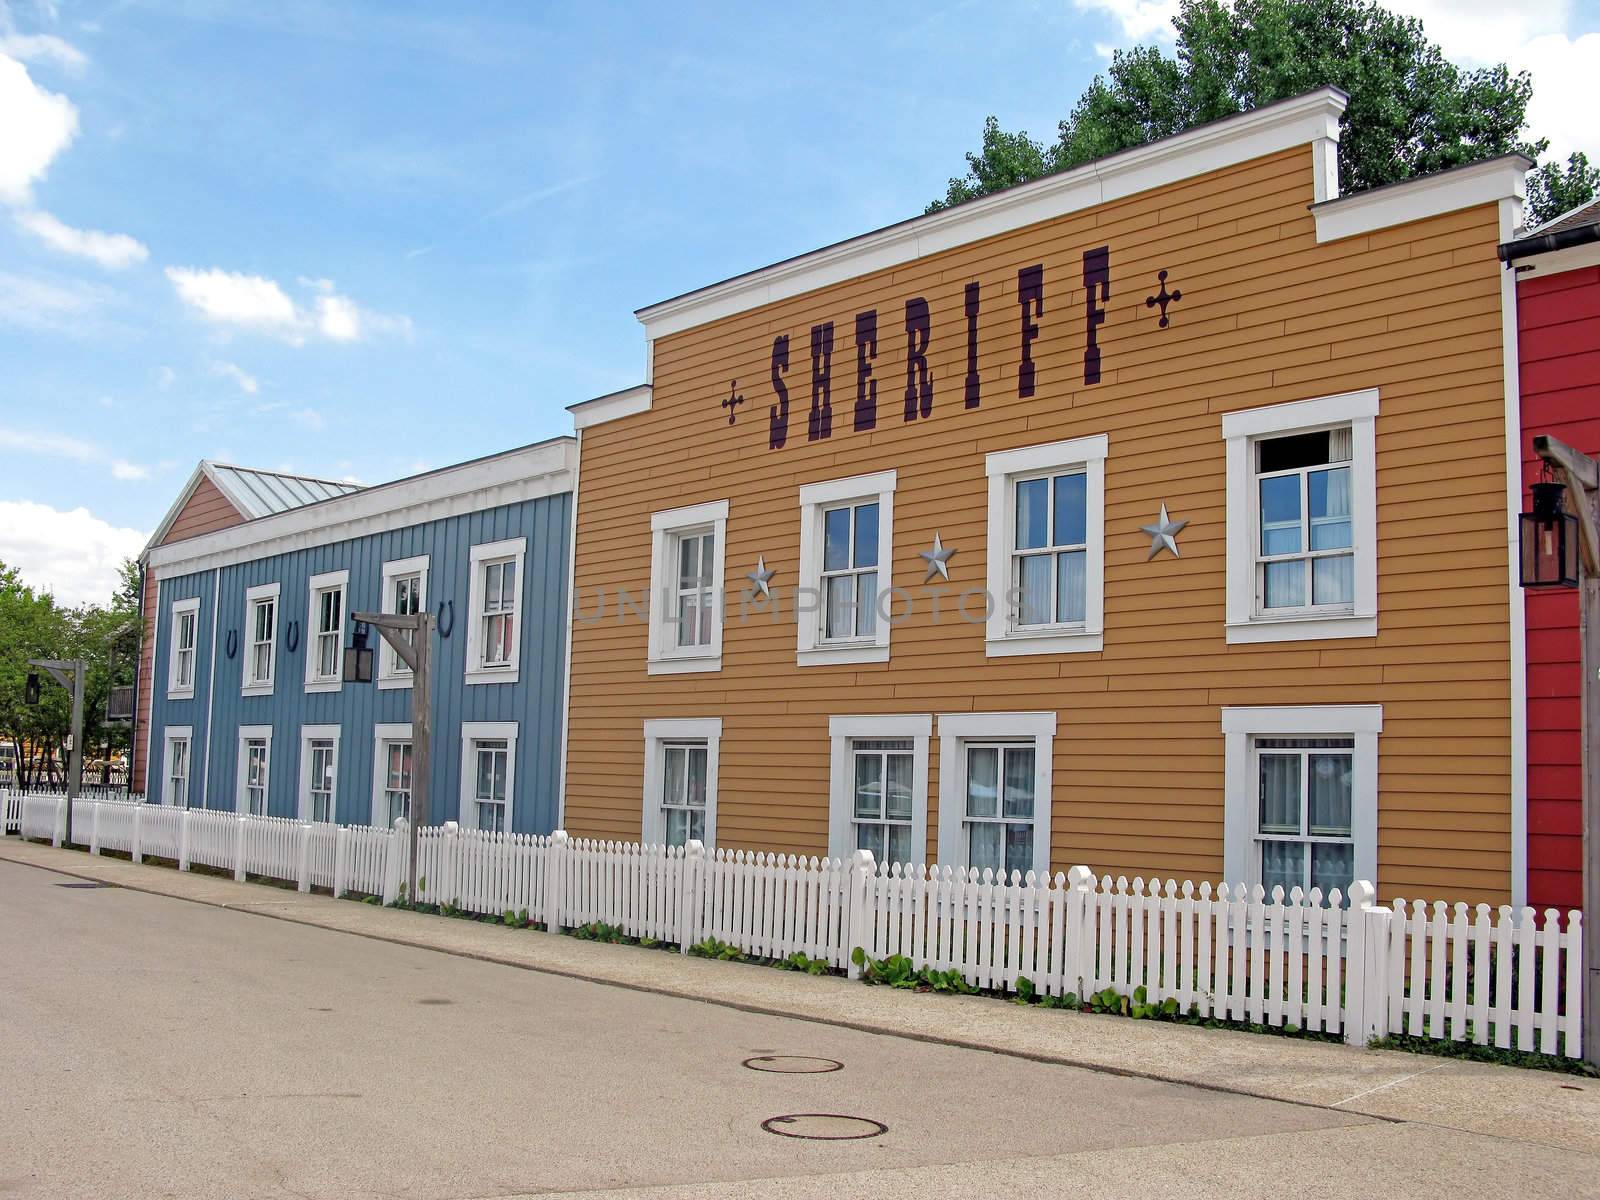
[
  {"x": 1214, "y": 146},
  {"x": 842, "y": 732},
  {"x": 302, "y": 796},
  {"x": 612, "y": 406},
  {"x": 657, "y": 732},
  {"x": 661, "y": 658},
  {"x": 466, "y": 798},
  {"x": 1486, "y": 182},
  {"x": 1554, "y": 262},
  {"x": 396, "y": 731},
  {"x": 1510, "y": 217},
  {"x": 955, "y": 730}
]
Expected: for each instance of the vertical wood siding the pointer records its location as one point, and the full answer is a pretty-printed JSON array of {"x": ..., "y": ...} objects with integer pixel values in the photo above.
[{"x": 1267, "y": 316}]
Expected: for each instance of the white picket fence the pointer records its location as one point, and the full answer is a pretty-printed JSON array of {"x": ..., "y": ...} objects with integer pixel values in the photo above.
[{"x": 1336, "y": 964}]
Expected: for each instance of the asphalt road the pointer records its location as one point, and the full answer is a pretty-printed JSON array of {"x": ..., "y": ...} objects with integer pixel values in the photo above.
[{"x": 151, "y": 1047}]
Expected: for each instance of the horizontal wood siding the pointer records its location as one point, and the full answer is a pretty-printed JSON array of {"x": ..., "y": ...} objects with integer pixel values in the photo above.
[
  {"x": 1558, "y": 320},
  {"x": 1267, "y": 316},
  {"x": 207, "y": 511}
]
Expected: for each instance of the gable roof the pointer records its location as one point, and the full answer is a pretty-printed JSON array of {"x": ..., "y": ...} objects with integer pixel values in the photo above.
[
  {"x": 252, "y": 492},
  {"x": 1584, "y": 214}
]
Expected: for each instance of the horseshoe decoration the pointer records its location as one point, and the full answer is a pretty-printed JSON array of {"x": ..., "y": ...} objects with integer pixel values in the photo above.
[
  {"x": 291, "y": 636},
  {"x": 446, "y": 626},
  {"x": 233, "y": 642}
]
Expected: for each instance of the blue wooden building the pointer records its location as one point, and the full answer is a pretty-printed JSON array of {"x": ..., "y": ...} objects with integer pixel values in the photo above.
[{"x": 249, "y": 712}]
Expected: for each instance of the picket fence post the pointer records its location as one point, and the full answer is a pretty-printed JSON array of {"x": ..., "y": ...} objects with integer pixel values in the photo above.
[
  {"x": 238, "y": 848},
  {"x": 61, "y": 822},
  {"x": 555, "y": 869},
  {"x": 1077, "y": 954},
  {"x": 860, "y": 913},
  {"x": 694, "y": 857},
  {"x": 1366, "y": 985},
  {"x": 183, "y": 841},
  {"x": 303, "y": 859},
  {"x": 448, "y": 889},
  {"x": 393, "y": 852},
  {"x": 137, "y": 851},
  {"x": 94, "y": 830},
  {"x": 341, "y": 859}
]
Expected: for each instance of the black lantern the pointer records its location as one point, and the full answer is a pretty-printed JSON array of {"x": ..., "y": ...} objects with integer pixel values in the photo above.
[
  {"x": 358, "y": 656},
  {"x": 30, "y": 693},
  {"x": 1549, "y": 539}
]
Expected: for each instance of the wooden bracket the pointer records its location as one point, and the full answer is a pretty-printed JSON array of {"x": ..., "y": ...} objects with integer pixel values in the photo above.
[{"x": 1581, "y": 474}]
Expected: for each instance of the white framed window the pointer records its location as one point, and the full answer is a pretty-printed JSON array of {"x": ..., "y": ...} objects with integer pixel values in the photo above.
[
  {"x": 1046, "y": 548},
  {"x": 319, "y": 773},
  {"x": 680, "y": 780},
  {"x": 846, "y": 570},
  {"x": 1301, "y": 787},
  {"x": 391, "y": 773},
  {"x": 260, "y": 639},
  {"x": 185, "y": 637},
  {"x": 177, "y": 765},
  {"x": 878, "y": 787},
  {"x": 324, "y": 640},
  {"x": 405, "y": 593},
  {"x": 1303, "y": 519},
  {"x": 255, "y": 770},
  {"x": 488, "y": 775},
  {"x": 687, "y": 556},
  {"x": 994, "y": 790},
  {"x": 494, "y": 630}
]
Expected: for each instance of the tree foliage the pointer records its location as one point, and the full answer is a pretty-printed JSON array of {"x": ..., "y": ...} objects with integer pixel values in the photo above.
[
  {"x": 1411, "y": 110},
  {"x": 1554, "y": 189}
]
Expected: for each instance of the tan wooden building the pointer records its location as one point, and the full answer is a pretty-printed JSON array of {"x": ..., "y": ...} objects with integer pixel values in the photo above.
[{"x": 1153, "y": 516}]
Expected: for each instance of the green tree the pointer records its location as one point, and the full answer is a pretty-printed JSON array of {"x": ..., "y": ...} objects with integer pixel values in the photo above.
[
  {"x": 1553, "y": 190},
  {"x": 1411, "y": 110},
  {"x": 31, "y": 626}
]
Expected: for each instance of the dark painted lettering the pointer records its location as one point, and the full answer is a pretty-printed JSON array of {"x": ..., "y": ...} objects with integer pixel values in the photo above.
[
  {"x": 1096, "y": 274},
  {"x": 972, "y": 344},
  {"x": 919, "y": 383},
  {"x": 1030, "y": 295},
  {"x": 778, "y": 414},
  {"x": 820, "y": 423},
  {"x": 866, "y": 385}
]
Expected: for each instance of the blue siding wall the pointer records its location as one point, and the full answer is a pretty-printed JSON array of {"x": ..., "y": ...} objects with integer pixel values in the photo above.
[{"x": 533, "y": 702}]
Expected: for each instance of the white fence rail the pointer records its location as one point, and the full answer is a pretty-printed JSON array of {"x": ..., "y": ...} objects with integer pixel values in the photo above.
[{"x": 1336, "y": 964}]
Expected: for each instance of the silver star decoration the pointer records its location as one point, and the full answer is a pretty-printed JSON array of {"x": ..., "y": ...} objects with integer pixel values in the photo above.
[
  {"x": 1163, "y": 534},
  {"x": 761, "y": 578},
  {"x": 938, "y": 559}
]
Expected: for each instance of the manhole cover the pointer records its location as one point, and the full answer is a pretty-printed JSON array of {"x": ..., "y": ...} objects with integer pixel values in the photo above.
[
  {"x": 86, "y": 885},
  {"x": 793, "y": 1064},
  {"x": 824, "y": 1127}
]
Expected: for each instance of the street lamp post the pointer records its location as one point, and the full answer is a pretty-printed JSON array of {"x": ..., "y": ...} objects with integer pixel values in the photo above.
[
  {"x": 1548, "y": 560},
  {"x": 58, "y": 669},
  {"x": 411, "y": 637}
]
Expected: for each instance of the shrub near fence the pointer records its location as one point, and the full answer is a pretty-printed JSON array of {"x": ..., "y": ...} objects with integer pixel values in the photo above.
[{"x": 1337, "y": 964}]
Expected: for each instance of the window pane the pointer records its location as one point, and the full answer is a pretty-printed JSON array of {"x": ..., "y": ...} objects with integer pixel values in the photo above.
[
  {"x": 866, "y": 535},
  {"x": 866, "y": 604},
  {"x": 1070, "y": 586},
  {"x": 1280, "y": 793},
  {"x": 677, "y": 826},
  {"x": 697, "y": 824},
  {"x": 869, "y": 785},
  {"x": 839, "y": 619},
  {"x": 1333, "y": 579},
  {"x": 696, "y": 785},
  {"x": 1071, "y": 510},
  {"x": 485, "y": 775},
  {"x": 897, "y": 843},
  {"x": 491, "y": 587},
  {"x": 870, "y": 837},
  {"x": 1033, "y": 582},
  {"x": 836, "y": 539},
  {"x": 1296, "y": 450},
  {"x": 1033, "y": 514},
  {"x": 983, "y": 776},
  {"x": 897, "y": 788},
  {"x": 1283, "y": 863},
  {"x": 983, "y": 846},
  {"x": 688, "y": 562},
  {"x": 508, "y": 585},
  {"x": 673, "y": 777},
  {"x": 1019, "y": 849},
  {"x": 1331, "y": 779},
  {"x": 1333, "y": 866},
  {"x": 1019, "y": 782},
  {"x": 1280, "y": 515},
  {"x": 1330, "y": 509},
  {"x": 689, "y": 620},
  {"x": 1284, "y": 584}
]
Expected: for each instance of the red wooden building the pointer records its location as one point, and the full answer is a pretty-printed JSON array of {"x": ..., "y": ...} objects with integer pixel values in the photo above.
[{"x": 1558, "y": 328}]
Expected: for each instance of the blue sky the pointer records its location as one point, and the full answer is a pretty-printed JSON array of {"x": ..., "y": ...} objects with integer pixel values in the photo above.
[{"x": 366, "y": 239}]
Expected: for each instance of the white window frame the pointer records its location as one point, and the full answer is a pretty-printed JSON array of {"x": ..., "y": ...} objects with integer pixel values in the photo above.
[
  {"x": 484, "y": 731},
  {"x": 248, "y": 685},
  {"x": 663, "y": 656},
  {"x": 382, "y": 735},
  {"x": 247, "y": 734},
  {"x": 309, "y": 734},
  {"x": 175, "y": 734},
  {"x": 811, "y": 649},
  {"x": 955, "y": 731},
  {"x": 516, "y": 550},
  {"x": 328, "y": 581},
  {"x": 183, "y": 608},
  {"x": 1005, "y": 468},
  {"x": 843, "y": 732},
  {"x": 657, "y": 733},
  {"x": 1241, "y": 430},
  {"x": 392, "y": 673},
  {"x": 1363, "y": 722}
]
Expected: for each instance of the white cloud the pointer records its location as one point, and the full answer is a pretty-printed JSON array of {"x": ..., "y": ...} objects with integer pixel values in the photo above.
[
  {"x": 38, "y": 126},
  {"x": 43, "y": 47},
  {"x": 30, "y": 302},
  {"x": 227, "y": 370},
  {"x": 165, "y": 377},
  {"x": 113, "y": 251},
  {"x": 1139, "y": 20},
  {"x": 61, "y": 445},
  {"x": 73, "y": 555},
  {"x": 309, "y": 419},
  {"x": 258, "y": 303}
]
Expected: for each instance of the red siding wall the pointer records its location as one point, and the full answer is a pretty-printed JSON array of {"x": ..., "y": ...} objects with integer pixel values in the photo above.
[{"x": 1558, "y": 319}]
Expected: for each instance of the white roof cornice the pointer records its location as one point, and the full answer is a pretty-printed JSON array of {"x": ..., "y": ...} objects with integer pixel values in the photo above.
[{"x": 1486, "y": 182}]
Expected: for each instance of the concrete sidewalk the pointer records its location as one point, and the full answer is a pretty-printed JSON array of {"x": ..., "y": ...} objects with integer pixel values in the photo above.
[{"x": 1535, "y": 1107}]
